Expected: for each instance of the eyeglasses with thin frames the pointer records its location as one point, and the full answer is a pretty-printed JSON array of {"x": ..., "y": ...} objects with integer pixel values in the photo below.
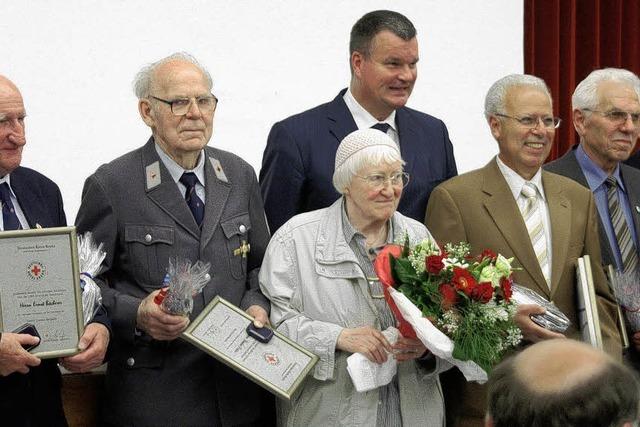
[
  {"x": 179, "y": 107},
  {"x": 377, "y": 181},
  {"x": 617, "y": 116},
  {"x": 532, "y": 122}
]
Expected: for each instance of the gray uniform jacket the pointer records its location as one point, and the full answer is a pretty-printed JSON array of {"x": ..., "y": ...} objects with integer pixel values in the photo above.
[
  {"x": 133, "y": 206},
  {"x": 316, "y": 289}
]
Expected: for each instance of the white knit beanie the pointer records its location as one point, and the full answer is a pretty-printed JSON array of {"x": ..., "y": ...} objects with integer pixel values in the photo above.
[{"x": 359, "y": 140}]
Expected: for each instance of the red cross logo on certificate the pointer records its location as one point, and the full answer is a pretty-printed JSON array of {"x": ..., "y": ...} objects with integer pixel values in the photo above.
[{"x": 36, "y": 270}]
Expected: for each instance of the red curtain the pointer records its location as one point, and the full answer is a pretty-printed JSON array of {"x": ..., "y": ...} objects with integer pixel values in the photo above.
[{"x": 564, "y": 40}]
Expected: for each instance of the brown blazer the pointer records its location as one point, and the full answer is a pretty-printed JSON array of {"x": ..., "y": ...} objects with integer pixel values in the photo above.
[{"x": 478, "y": 207}]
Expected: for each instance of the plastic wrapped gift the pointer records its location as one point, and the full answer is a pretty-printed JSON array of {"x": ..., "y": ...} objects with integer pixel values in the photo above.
[
  {"x": 553, "y": 319},
  {"x": 184, "y": 281},
  {"x": 90, "y": 257},
  {"x": 626, "y": 287}
]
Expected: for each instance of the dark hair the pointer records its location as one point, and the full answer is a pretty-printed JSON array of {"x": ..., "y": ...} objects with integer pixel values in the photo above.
[
  {"x": 374, "y": 22},
  {"x": 606, "y": 399}
]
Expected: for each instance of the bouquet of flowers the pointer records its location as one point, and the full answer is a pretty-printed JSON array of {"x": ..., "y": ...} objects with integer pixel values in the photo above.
[{"x": 458, "y": 305}]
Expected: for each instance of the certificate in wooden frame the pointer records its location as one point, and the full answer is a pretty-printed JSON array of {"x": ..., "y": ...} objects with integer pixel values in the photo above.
[
  {"x": 280, "y": 366},
  {"x": 40, "y": 284}
]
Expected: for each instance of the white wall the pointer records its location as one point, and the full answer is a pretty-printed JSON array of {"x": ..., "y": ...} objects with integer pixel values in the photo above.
[{"x": 74, "y": 61}]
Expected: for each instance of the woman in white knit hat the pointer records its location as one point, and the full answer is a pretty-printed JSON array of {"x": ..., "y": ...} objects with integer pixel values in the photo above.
[{"x": 324, "y": 294}]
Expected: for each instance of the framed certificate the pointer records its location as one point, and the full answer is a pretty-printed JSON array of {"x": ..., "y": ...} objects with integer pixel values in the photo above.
[
  {"x": 587, "y": 308},
  {"x": 279, "y": 366},
  {"x": 40, "y": 284}
]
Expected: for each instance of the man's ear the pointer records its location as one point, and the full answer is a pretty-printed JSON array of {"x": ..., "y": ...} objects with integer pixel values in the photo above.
[
  {"x": 496, "y": 126},
  {"x": 579, "y": 119},
  {"x": 144, "y": 107},
  {"x": 357, "y": 59}
]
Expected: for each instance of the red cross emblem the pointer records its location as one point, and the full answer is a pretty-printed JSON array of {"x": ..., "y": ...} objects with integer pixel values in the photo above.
[{"x": 36, "y": 270}]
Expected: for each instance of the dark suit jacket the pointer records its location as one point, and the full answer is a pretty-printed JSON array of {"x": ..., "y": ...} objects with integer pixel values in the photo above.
[
  {"x": 298, "y": 162},
  {"x": 478, "y": 207},
  {"x": 634, "y": 160},
  {"x": 134, "y": 207},
  {"x": 34, "y": 399},
  {"x": 568, "y": 166}
]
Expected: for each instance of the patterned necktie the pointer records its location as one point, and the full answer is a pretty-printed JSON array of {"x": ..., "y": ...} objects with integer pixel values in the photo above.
[
  {"x": 9, "y": 218},
  {"x": 382, "y": 127},
  {"x": 621, "y": 229},
  {"x": 532, "y": 215},
  {"x": 189, "y": 179}
]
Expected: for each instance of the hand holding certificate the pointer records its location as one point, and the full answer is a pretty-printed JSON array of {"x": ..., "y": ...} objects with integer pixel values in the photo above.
[
  {"x": 279, "y": 365},
  {"x": 40, "y": 286}
]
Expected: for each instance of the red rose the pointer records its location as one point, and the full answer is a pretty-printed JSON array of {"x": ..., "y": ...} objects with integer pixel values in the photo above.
[
  {"x": 483, "y": 292},
  {"x": 463, "y": 280},
  {"x": 449, "y": 296},
  {"x": 505, "y": 285},
  {"x": 382, "y": 263},
  {"x": 434, "y": 264},
  {"x": 488, "y": 253}
]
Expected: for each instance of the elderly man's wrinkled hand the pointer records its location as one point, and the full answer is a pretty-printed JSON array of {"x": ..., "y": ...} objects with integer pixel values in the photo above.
[
  {"x": 366, "y": 340},
  {"x": 530, "y": 330},
  {"x": 14, "y": 358},
  {"x": 93, "y": 345},
  {"x": 156, "y": 322}
]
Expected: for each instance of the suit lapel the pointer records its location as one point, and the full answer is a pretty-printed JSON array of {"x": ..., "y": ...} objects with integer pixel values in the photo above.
[
  {"x": 217, "y": 193},
  {"x": 504, "y": 211},
  {"x": 406, "y": 132},
  {"x": 33, "y": 209},
  {"x": 164, "y": 191},
  {"x": 560, "y": 214},
  {"x": 341, "y": 121}
]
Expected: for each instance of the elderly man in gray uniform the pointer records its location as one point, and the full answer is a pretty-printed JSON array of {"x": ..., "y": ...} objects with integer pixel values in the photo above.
[{"x": 172, "y": 197}]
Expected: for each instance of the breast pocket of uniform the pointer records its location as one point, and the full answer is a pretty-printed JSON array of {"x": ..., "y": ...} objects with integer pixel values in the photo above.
[
  {"x": 236, "y": 231},
  {"x": 149, "y": 248}
]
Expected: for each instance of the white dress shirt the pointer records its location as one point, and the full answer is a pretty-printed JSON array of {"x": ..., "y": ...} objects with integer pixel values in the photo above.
[
  {"x": 364, "y": 119},
  {"x": 176, "y": 172}
]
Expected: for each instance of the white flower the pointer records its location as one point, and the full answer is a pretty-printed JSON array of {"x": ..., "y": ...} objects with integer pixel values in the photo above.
[{"x": 420, "y": 253}]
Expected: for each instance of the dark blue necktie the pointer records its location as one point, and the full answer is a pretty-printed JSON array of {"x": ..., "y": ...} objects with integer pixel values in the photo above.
[
  {"x": 9, "y": 218},
  {"x": 382, "y": 127},
  {"x": 189, "y": 179}
]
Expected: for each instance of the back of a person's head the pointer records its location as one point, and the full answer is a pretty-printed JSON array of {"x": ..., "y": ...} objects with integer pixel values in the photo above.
[{"x": 562, "y": 383}]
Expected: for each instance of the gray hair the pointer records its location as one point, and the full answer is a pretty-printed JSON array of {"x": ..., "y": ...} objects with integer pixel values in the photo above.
[
  {"x": 360, "y": 149},
  {"x": 367, "y": 27},
  {"x": 586, "y": 94},
  {"x": 494, "y": 102},
  {"x": 144, "y": 78}
]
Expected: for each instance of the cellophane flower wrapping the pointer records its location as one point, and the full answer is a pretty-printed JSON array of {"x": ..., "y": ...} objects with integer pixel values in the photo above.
[
  {"x": 458, "y": 305},
  {"x": 184, "y": 281},
  {"x": 90, "y": 257},
  {"x": 626, "y": 288}
]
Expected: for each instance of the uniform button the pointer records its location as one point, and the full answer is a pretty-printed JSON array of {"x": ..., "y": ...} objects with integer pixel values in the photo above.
[
  {"x": 131, "y": 361},
  {"x": 207, "y": 277},
  {"x": 371, "y": 282},
  {"x": 242, "y": 228},
  {"x": 147, "y": 238}
]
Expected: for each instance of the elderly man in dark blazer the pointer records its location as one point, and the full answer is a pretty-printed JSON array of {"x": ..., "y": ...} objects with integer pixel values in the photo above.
[
  {"x": 606, "y": 115},
  {"x": 297, "y": 165},
  {"x": 492, "y": 208},
  {"x": 175, "y": 197},
  {"x": 29, "y": 387}
]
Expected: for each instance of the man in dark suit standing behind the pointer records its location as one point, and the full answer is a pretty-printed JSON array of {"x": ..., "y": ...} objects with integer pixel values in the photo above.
[
  {"x": 30, "y": 387},
  {"x": 297, "y": 165},
  {"x": 606, "y": 115}
]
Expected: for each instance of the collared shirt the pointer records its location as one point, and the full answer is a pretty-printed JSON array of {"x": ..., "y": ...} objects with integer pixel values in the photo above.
[
  {"x": 596, "y": 178},
  {"x": 515, "y": 183},
  {"x": 16, "y": 206},
  {"x": 176, "y": 171},
  {"x": 365, "y": 120},
  {"x": 388, "y": 414}
]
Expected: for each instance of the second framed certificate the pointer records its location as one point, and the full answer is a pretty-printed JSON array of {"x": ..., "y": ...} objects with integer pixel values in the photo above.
[{"x": 280, "y": 365}]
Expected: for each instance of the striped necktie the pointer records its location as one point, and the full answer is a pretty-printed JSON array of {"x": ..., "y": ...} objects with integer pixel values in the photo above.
[
  {"x": 621, "y": 229},
  {"x": 532, "y": 215},
  {"x": 9, "y": 218},
  {"x": 382, "y": 127}
]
